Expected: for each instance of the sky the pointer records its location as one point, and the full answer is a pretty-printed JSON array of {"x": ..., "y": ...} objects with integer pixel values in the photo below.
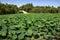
[{"x": 54, "y": 3}]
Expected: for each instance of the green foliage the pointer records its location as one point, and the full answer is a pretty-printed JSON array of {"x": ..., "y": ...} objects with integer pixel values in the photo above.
[
  {"x": 27, "y": 7},
  {"x": 8, "y": 8},
  {"x": 39, "y": 9},
  {"x": 29, "y": 26},
  {"x": 13, "y": 9}
]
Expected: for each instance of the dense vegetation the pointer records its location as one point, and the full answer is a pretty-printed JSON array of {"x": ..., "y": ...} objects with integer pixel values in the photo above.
[
  {"x": 40, "y": 9},
  {"x": 30, "y": 27},
  {"x": 10, "y": 8}
]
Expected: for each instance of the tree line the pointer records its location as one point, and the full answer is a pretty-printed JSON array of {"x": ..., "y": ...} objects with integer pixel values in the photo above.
[
  {"x": 13, "y": 9},
  {"x": 40, "y": 9},
  {"x": 8, "y": 8}
]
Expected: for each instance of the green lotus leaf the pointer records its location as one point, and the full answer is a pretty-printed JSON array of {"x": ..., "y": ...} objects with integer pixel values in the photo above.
[
  {"x": 40, "y": 25},
  {"x": 17, "y": 26},
  {"x": 18, "y": 31},
  {"x": 21, "y": 36},
  {"x": 3, "y": 33},
  {"x": 11, "y": 31},
  {"x": 22, "y": 30},
  {"x": 35, "y": 32},
  {"x": 11, "y": 27},
  {"x": 14, "y": 37},
  {"x": 29, "y": 32}
]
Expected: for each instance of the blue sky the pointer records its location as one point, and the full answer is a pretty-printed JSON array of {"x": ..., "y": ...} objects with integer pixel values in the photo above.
[{"x": 34, "y": 2}]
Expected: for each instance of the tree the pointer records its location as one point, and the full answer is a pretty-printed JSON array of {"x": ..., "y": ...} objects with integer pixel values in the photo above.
[
  {"x": 8, "y": 8},
  {"x": 26, "y": 7},
  {"x": 58, "y": 9},
  {"x": 12, "y": 9}
]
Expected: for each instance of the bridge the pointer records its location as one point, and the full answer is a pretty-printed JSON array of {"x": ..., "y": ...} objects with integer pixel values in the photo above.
[{"x": 22, "y": 11}]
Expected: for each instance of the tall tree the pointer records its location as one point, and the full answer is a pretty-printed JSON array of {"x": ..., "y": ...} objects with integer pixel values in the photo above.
[{"x": 26, "y": 7}]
